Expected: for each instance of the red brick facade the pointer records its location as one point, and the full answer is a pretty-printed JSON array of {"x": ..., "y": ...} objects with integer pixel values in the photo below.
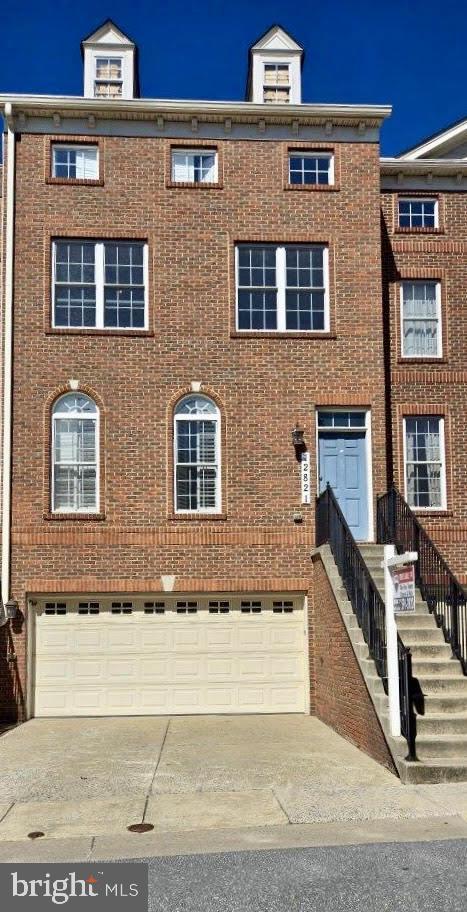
[
  {"x": 431, "y": 386},
  {"x": 341, "y": 698},
  {"x": 262, "y": 384}
]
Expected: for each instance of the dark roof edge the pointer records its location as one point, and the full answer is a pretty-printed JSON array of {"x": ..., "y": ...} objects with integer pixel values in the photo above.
[
  {"x": 107, "y": 21},
  {"x": 427, "y": 139}
]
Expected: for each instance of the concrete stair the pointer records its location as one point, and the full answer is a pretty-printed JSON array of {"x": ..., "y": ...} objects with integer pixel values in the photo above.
[{"x": 442, "y": 713}]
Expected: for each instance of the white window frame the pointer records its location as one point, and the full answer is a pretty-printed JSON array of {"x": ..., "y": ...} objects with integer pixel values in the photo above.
[
  {"x": 442, "y": 448},
  {"x": 437, "y": 284},
  {"x": 199, "y": 416},
  {"x": 99, "y": 283},
  {"x": 93, "y": 416},
  {"x": 108, "y": 80},
  {"x": 284, "y": 86},
  {"x": 75, "y": 147},
  {"x": 281, "y": 287},
  {"x": 313, "y": 153},
  {"x": 418, "y": 199},
  {"x": 199, "y": 152}
]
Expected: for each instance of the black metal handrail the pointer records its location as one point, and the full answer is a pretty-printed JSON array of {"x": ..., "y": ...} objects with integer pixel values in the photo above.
[
  {"x": 367, "y": 604},
  {"x": 440, "y": 588}
]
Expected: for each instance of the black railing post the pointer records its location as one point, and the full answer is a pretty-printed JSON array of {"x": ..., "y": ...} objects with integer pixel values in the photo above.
[
  {"x": 408, "y": 718},
  {"x": 438, "y": 585}
]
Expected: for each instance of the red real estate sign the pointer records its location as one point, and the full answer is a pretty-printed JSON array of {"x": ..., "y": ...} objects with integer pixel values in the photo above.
[{"x": 403, "y": 580}]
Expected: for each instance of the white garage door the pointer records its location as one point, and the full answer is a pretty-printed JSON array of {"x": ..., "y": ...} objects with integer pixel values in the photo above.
[{"x": 204, "y": 655}]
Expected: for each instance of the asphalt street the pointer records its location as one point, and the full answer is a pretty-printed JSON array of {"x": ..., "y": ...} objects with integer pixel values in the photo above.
[{"x": 413, "y": 877}]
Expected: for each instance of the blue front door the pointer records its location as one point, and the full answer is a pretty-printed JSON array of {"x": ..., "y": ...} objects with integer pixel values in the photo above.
[{"x": 342, "y": 463}]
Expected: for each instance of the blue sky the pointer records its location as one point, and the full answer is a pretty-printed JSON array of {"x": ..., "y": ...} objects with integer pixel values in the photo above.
[{"x": 409, "y": 53}]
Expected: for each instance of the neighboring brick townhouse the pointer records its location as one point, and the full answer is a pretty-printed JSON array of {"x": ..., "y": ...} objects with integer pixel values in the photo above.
[{"x": 209, "y": 319}]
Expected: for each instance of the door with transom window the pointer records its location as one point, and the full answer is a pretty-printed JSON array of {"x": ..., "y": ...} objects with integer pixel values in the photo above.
[{"x": 343, "y": 463}]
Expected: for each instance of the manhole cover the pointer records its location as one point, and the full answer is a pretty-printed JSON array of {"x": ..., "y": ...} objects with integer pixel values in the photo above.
[
  {"x": 36, "y": 834},
  {"x": 140, "y": 827}
]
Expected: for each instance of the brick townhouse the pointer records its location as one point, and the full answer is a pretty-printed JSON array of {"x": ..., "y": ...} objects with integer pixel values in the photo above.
[{"x": 210, "y": 311}]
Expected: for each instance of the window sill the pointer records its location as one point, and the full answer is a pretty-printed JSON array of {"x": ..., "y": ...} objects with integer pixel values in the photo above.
[
  {"x": 320, "y": 188},
  {"x": 197, "y": 517},
  {"x": 420, "y": 230},
  {"x": 422, "y": 360},
  {"x": 292, "y": 334},
  {"x": 90, "y": 331},
  {"x": 67, "y": 517},
  {"x": 432, "y": 512},
  {"x": 194, "y": 185},
  {"x": 75, "y": 181}
]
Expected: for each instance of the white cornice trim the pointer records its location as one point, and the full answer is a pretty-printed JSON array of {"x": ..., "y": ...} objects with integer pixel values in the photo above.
[
  {"x": 423, "y": 166},
  {"x": 139, "y": 108},
  {"x": 437, "y": 142}
]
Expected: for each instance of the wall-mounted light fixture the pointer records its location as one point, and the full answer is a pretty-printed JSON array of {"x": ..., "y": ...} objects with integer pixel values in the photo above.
[{"x": 298, "y": 435}]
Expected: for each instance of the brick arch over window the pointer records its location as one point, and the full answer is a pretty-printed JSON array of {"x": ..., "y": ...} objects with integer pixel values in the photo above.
[
  {"x": 51, "y": 401},
  {"x": 175, "y": 401}
]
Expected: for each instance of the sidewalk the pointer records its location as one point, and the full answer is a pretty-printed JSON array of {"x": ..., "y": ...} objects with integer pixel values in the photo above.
[{"x": 202, "y": 822}]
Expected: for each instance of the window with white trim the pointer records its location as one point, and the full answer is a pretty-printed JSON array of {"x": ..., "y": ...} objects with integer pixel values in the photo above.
[
  {"x": 194, "y": 166},
  {"x": 282, "y": 288},
  {"x": 77, "y": 162},
  {"x": 197, "y": 456},
  {"x": 425, "y": 475},
  {"x": 421, "y": 319},
  {"x": 75, "y": 454},
  {"x": 311, "y": 168},
  {"x": 417, "y": 213},
  {"x": 100, "y": 284},
  {"x": 276, "y": 83},
  {"x": 109, "y": 77}
]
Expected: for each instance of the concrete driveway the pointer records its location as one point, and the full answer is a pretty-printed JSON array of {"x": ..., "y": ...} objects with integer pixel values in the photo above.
[
  {"x": 76, "y": 759},
  {"x": 95, "y": 777}
]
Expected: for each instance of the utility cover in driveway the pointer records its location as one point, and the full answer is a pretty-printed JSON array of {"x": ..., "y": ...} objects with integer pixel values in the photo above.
[{"x": 170, "y": 656}]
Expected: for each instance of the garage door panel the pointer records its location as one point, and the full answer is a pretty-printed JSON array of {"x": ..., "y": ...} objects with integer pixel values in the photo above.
[{"x": 108, "y": 663}]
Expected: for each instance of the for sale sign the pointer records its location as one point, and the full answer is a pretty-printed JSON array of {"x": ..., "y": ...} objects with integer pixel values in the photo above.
[{"x": 403, "y": 580}]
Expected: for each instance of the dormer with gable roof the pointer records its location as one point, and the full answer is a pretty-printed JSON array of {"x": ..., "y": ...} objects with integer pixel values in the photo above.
[
  {"x": 274, "y": 71},
  {"x": 110, "y": 63}
]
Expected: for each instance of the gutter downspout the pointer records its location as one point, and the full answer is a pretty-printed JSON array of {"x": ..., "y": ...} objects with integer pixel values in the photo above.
[{"x": 8, "y": 359}]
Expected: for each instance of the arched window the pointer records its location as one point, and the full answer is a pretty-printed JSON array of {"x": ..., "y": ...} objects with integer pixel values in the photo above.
[
  {"x": 197, "y": 456},
  {"x": 75, "y": 454}
]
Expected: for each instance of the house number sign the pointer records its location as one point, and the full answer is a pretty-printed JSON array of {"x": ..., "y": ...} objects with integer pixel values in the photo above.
[{"x": 305, "y": 472}]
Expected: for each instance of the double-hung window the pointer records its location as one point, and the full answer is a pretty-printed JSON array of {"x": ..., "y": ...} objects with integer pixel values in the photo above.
[
  {"x": 417, "y": 213},
  {"x": 425, "y": 476},
  {"x": 282, "y": 288},
  {"x": 197, "y": 456},
  {"x": 75, "y": 162},
  {"x": 99, "y": 284},
  {"x": 311, "y": 168},
  {"x": 276, "y": 83},
  {"x": 197, "y": 166},
  {"x": 109, "y": 77},
  {"x": 421, "y": 319},
  {"x": 75, "y": 452}
]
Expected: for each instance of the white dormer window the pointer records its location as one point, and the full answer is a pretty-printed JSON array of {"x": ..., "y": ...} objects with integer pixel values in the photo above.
[
  {"x": 276, "y": 83},
  {"x": 109, "y": 77},
  {"x": 109, "y": 64},
  {"x": 274, "y": 74}
]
